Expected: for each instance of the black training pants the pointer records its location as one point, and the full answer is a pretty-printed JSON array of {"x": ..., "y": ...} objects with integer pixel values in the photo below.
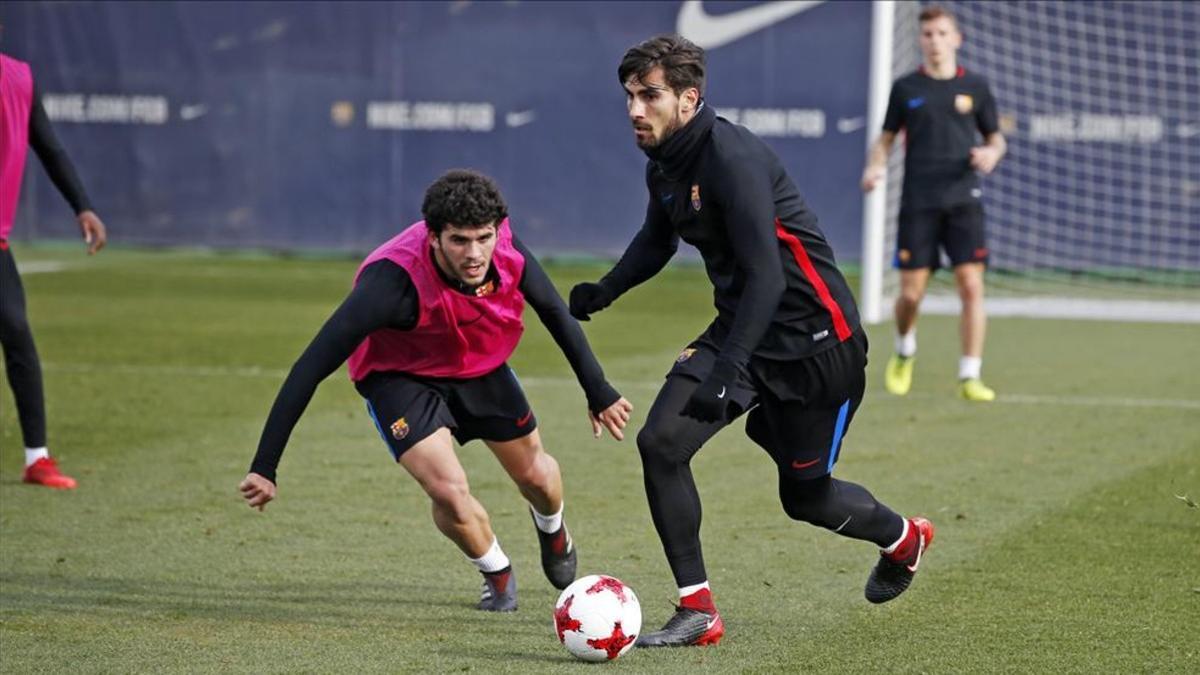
[{"x": 20, "y": 355}]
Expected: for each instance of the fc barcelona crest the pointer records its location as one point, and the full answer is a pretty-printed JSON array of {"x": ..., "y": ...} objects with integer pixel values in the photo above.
[
  {"x": 964, "y": 104},
  {"x": 685, "y": 355},
  {"x": 399, "y": 429},
  {"x": 695, "y": 197},
  {"x": 485, "y": 289}
]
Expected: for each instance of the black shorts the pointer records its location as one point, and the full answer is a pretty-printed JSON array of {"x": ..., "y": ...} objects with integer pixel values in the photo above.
[
  {"x": 799, "y": 410},
  {"x": 957, "y": 229},
  {"x": 408, "y": 409}
]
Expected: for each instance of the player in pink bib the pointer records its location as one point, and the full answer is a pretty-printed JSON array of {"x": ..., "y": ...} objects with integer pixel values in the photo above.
[
  {"x": 426, "y": 333},
  {"x": 24, "y": 124}
]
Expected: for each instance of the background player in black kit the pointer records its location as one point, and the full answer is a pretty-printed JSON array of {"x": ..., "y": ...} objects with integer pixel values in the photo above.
[
  {"x": 940, "y": 107},
  {"x": 786, "y": 343}
]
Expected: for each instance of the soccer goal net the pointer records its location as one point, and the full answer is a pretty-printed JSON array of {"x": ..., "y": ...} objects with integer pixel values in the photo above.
[{"x": 1095, "y": 211}]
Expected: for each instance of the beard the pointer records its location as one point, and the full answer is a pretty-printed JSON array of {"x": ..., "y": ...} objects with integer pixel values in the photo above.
[{"x": 673, "y": 125}]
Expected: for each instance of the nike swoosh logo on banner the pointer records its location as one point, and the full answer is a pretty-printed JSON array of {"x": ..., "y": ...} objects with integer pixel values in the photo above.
[
  {"x": 848, "y": 125},
  {"x": 188, "y": 113},
  {"x": 711, "y": 31},
  {"x": 520, "y": 118}
]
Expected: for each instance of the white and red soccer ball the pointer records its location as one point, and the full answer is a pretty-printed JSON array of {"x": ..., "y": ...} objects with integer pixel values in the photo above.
[{"x": 597, "y": 618}]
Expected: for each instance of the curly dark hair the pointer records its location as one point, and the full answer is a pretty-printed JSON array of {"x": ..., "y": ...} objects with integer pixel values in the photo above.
[
  {"x": 463, "y": 198},
  {"x": 681, "y": 60}
]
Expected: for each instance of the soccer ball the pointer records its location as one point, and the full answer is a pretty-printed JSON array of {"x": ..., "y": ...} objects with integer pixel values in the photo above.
[{"x": 597, "y": 618}]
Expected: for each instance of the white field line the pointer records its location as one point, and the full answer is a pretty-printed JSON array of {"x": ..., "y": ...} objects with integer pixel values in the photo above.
[
  {"x": 278, "y": 375},
  {"x": 40, "y": 267},
  {"x": 1099, "y": 401},
  {"x": 1099, "y": 309}
]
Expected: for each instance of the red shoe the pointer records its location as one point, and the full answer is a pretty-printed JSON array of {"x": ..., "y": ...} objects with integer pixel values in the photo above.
[
  {"x": 45, "y": 472},
  {"x": 891, "y": 577},
  {"x": 686, "y": 628}
]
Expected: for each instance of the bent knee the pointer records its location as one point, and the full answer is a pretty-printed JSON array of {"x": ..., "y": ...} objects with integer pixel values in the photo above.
[
  {"x": 657, "y": 445},
  {"x": 912, "y": 296},
  {"x": 807, "y": 500},
  {"x": 535, "y": 473},
  {"x": 451, "y": 494},
  {"x": 799, "y": 509}
]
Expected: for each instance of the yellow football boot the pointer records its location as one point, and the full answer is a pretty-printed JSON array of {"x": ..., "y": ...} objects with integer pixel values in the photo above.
[
  {"x": 973, "y": 389},
  {"x": 897, "y": 377}
]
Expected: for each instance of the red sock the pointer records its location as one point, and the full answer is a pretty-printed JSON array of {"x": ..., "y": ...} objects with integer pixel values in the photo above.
[
  {"x": 908, "y": 547},
  {"x": 701, "y": 600}
]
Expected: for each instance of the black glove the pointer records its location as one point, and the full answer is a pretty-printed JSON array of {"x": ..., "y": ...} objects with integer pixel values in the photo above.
[
  {"x": 711, "y": 400},
  {"x": 589, "y": 298}
]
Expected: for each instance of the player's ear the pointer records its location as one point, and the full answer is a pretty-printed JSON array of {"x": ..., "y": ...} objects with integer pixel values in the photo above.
[{"x": 691, "y": 99}]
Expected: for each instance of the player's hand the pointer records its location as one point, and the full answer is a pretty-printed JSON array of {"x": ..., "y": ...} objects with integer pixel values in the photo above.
[
  {"x": 614, "y": 418},
  {"x": 94, "y": 232},
  {"x": 588, "y": 298},
  {"x": 257, "y": 491},
  {"x": 871, "y": 176},
  {"x": 710, "y": 402},
  {"x": 984, "y": 158}
]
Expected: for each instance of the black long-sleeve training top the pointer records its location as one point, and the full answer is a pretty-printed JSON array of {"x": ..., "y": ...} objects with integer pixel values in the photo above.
[
  {"x": 385, "y": 297},
  {"x": 777, "y": 290},
  {"x": 58, "y": 166}
]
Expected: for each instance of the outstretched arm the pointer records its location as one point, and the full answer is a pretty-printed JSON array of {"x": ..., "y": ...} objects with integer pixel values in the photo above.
[
  {"x": 384, "y": 296},
  {"x": 606, "y": 407},
  {"x": 652, "y": 247}
]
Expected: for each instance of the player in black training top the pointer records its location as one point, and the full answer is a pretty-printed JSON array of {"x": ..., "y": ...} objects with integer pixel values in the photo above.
[
  {"x": 941, "y": 109},
  {"x": 785, "y": 345}
]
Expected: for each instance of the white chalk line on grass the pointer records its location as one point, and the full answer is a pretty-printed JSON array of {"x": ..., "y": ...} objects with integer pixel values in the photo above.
[
  {"x": 277, "y": 374},
  {"x": 186, "y": 371},
  {"x": 40, "y": 267},
  {"x": 1098, "y": 401}
]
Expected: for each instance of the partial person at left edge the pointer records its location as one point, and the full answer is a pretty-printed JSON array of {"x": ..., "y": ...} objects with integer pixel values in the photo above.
[{"x": 23, "y": 123}]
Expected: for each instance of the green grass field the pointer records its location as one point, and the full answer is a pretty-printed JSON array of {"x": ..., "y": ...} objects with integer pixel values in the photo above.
[{"x": 1061, "y": 545}]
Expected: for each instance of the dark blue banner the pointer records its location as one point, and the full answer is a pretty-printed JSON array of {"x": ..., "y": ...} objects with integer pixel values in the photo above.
[{"x": 319, "y": 125}]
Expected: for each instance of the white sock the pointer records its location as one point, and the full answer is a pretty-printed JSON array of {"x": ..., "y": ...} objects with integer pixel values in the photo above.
[
  {"x": 688, "y": 590},
  {"x": 969, "y": 367},
  {"x": 34, "y": 454},
  {"x": 903, "y": 536},
  {"x": 548, "y": 524},
  {"x": 492, "y": 561},
  {"x": 906, "y": 344}
]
